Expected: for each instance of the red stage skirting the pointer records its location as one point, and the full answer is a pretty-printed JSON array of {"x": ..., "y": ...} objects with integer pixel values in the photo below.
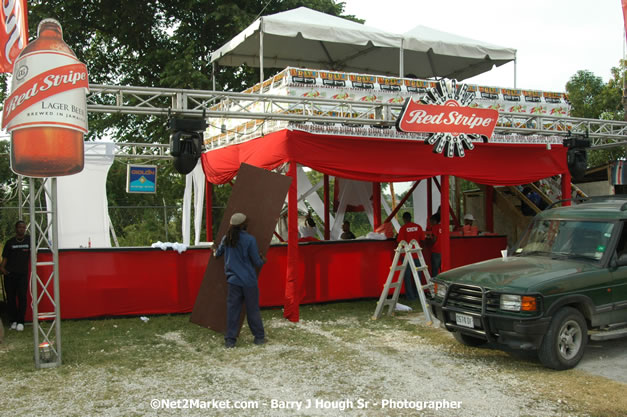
[{"x": 142, "y": 281}]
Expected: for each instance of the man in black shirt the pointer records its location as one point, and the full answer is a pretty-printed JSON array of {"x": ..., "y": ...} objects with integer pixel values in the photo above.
[
  {"x": 14, "y": 267},
  {"x": 346, "y": 228}
]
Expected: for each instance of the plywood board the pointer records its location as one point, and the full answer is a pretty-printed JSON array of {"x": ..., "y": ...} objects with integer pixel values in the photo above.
[{"x": 260, "y": 195}]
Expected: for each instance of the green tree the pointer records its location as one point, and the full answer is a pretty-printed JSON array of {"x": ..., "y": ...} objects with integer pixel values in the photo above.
[
  {"x": 584, "y": 93},
  {"x": 611, "y": 100},
  {"x": 590, "y": 97},
  {"x": 157, "y": 43},
  {"x": 160, "y": 43},
  {"x": 8, "y": 195}
]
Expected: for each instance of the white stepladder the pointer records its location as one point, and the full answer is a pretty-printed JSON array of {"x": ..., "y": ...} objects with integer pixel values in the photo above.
[{"x": 405, "y": 250}]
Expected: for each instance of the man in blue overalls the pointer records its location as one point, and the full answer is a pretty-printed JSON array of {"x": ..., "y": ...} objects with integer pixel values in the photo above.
[{"x": 242, "y": 262}]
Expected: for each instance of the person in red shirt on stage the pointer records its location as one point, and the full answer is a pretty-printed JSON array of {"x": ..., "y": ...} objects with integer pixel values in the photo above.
[
  {"x": 469, "y": 229},
  {"x": 408, "y": 232}
]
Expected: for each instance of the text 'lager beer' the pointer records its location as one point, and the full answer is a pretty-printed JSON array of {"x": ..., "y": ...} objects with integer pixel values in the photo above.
[{"x": 46, "y": 112}]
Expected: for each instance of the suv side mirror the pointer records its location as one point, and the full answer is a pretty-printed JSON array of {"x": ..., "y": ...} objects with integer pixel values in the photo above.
[{"x": 622, "y": 260}]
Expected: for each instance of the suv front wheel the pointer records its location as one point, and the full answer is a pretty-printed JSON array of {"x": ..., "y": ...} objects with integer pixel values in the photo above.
[{"x": 564, "y": 343}]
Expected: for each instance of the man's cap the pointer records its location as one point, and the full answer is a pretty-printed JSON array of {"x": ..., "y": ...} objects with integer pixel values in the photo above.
[
  {"x": 469, "y": 217},
  {"x": 237, "y": 219}
]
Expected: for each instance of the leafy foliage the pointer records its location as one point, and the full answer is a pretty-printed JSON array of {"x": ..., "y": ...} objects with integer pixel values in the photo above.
[
  {"x": 584, "y": 92},
  {"x": 8, "y": 195},
  {"x": 592, "y": 98},
  {"x": 157, "y": 43},
  {"x": 153, "y": 43}
]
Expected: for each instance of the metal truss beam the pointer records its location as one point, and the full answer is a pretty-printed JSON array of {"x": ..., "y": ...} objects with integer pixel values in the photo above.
[
  {"x": 136, "y": 150},
  {"x": 222, "y": 104},
  {"x": 44, "y": 275}
]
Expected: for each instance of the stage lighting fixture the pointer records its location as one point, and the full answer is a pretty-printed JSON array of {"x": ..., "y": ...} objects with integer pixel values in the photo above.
[
  {"x": 577, "y": 156},
  {"x": 186, "y": 143}
]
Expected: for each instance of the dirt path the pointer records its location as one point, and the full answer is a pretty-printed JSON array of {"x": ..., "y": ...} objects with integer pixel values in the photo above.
[
  {"x": 348, "y": 366},
  {"x": 607, "y": 359}
]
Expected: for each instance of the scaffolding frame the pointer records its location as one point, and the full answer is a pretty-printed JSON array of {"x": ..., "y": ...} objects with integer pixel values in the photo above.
[
  {"x": 44, "y": 275},
  {"x": 220, "y": 105}
]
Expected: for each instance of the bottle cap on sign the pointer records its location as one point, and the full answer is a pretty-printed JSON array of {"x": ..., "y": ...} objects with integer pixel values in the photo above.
[{"x": 48, "y": 20}]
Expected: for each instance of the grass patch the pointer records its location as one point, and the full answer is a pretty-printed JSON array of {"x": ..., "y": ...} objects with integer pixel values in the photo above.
[{"x": 115, "y": 366}]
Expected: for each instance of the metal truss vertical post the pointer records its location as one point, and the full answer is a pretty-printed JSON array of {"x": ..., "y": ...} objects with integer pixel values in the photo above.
[
  {"x": 44, "y": 234},
  {"x": 20, "y": 198}
]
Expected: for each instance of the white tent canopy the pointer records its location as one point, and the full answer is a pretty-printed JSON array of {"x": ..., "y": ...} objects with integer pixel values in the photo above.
[
  {"x": 307, "y": 38},
  {"x": 311, "y": 39},
  {"x": 433, "y": 53}
]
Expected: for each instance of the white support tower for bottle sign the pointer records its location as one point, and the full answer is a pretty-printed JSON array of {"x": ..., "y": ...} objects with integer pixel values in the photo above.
[
  {"x": 404, "y": 253},
  {"x": 43, "y": 229},
  {"x": 44, "y": 275}
]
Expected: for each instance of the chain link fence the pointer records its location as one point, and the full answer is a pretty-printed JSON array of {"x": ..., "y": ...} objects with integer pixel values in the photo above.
[{"x": 131, "y": 225}]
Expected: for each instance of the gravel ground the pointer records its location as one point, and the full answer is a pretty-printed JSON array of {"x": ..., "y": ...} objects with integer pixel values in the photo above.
[
  {"x": 390, "y": 369},
  {"x": 607, "y": 358}
]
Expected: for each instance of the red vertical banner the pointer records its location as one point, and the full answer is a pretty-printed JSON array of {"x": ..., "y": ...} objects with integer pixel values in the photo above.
[
  {"x": 445, "y": 223},
  {"x": 208, "y": 211},
  {"x": 327, "y": 226},
  {"x": 14, "y": 32},
  {"x": 566, "y": 188},
  {"x": 429, "y": 200},
  {"x": 624, "y": 2},
  {"x": 489, "y": 208},
  {"x": 293, "y": 293},
  {"x": 376, "y": 204}
]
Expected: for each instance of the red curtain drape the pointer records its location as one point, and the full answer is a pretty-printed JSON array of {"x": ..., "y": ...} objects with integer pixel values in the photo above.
[
  {"x": 376, "y": 204},
  {"x": 566, "y": 188},
  {"x": 292, "y": 284},
  {"x": 445, "y": 224},
  {"x": 378, "y": 160},
  {"x": 208, "y": 211},
  {"x": 385, "y": 160},
  {"x": 489, "y": 208}
]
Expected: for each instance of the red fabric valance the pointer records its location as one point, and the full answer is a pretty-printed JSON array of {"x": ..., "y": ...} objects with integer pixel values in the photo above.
[{"x": 387, "y": 160}]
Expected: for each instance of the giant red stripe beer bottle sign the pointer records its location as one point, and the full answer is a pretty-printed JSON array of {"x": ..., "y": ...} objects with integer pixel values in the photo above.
[
  {"x": 444, "y": 113},
  {"x": 46, "y": 112}
]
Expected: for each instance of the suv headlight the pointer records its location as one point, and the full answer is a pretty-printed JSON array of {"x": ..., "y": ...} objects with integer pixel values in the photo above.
[
  {"x": 511, "y": 302},
  {"x": 440, "y": 289}
]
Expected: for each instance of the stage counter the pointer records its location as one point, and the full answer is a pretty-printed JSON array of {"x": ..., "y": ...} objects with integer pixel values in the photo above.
[{"x": 141, "y": 281}]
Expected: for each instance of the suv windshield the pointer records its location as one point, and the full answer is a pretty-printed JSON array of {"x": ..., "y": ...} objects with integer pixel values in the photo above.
[{"x": 566, "y": 238}]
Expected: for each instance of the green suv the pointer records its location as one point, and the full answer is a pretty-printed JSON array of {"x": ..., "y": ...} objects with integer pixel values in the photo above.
[{"x": 564, "y": 282}]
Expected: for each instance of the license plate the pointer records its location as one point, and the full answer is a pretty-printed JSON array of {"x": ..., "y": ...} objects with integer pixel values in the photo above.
[{"x": 464, "y": 320}]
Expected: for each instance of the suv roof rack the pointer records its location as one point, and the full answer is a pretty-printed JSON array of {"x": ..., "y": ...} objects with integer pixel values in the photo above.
[{"x": 593, "y": 199}]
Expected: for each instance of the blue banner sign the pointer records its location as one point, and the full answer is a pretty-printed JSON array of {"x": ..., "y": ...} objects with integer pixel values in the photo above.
[{"x": 141, "y": 178}]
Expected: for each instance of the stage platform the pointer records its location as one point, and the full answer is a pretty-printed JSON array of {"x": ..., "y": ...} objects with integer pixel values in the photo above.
[{"x": 142, "y": 281}]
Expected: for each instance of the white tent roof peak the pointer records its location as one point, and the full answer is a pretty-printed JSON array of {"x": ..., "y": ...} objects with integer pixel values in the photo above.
[
  {"x": 442, "y": 42},
  {"x": 307, "y": 38},
  {"x": 449, "y": 55},
  {"x": 312, "y": 24},
  {"x": 311, "y": 39},
  {"x": 308, "y": 17}
]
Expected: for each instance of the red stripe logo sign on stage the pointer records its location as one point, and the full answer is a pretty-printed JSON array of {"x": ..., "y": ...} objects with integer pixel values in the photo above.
[
  {"x": 46, "y": 112},
  {"x": 444, "y": 113}
]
